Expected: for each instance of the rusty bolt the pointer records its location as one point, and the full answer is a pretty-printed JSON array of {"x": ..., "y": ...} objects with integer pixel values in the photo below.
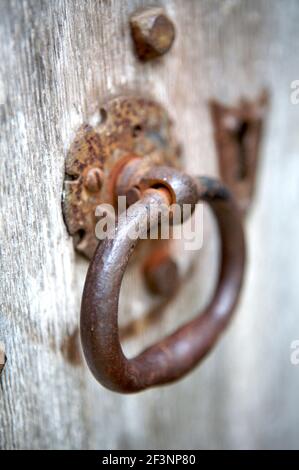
[
  {"x": 161, "y": 274},
  {"x": 152, "y": 31},
  {"x": 132, "y": 195},
  {"x": 93, "y": 180}
]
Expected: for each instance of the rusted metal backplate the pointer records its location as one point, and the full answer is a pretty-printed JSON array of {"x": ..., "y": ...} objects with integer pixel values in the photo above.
[
  {"x": 238, "y": 131},
  {"x": 130, "y": 127}
]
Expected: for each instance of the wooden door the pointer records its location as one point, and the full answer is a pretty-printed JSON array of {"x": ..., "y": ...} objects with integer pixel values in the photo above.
[{"x": 60, "y": 60}]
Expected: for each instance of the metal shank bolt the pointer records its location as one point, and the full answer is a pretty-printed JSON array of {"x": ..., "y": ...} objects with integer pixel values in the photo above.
[{"x": 152, "y": 31}]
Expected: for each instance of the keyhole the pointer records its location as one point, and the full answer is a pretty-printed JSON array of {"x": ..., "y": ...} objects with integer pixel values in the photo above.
[{"x": 240, "y": 139}]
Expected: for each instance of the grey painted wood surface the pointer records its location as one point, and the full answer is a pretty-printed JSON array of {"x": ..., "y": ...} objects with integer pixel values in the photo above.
[{"x": 60, "y": 59}]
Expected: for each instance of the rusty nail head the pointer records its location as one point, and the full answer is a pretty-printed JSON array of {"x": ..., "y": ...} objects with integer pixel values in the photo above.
[
  {"x": 238, "y": 131},
  {"x": 2, "y": 357},
  {"x": 94, "y": 180},
  {"x": 152, "y": 31}
]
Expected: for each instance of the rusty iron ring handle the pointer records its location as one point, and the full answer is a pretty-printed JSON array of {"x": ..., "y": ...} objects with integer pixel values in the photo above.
[{"x": 177, "y": 354}]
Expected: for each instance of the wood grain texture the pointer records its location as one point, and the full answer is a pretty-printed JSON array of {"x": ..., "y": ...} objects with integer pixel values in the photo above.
[{"x": 60, "y": 59}]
